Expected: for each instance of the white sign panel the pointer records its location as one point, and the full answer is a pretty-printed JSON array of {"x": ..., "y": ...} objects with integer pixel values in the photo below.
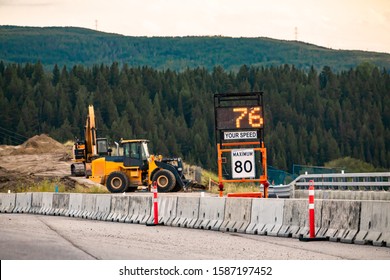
[
  {"x": 239, "y": 135},
  {"x": 243, "y": 163}
]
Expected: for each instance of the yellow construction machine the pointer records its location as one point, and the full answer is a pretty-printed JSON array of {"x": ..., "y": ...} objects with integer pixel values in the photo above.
[
  {"x": 84, "y": 151},
  {"x": 130, "y": 168}
]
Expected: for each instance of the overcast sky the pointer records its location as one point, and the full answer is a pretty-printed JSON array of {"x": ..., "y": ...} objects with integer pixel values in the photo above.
[{"x": 337, "y": 24}]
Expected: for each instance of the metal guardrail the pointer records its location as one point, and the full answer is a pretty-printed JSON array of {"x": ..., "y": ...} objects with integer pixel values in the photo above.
[
  {"x": 377, "y": 181},
  {"x": 280, "y": 191}
]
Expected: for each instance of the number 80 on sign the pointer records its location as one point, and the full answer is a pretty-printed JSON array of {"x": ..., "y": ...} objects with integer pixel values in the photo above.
[{"x": 243, "y": 163}]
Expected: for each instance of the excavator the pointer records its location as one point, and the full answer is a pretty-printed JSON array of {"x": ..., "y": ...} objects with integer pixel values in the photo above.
[
  {"x": 84, "y": 151},
  {"x": 130, "y": 168}
]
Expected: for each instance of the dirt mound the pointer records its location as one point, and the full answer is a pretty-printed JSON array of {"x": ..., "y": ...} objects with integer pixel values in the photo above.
[
  {"x": 39, "y": 144},
  {"x": 38, "y": 162}
]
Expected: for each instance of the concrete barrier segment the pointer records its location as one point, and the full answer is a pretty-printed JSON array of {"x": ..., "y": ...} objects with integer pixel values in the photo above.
[
  {"x": 75, "y": 203},
  {"x": 340, "y": 220},
  {"x": 304, "y": 231},
  {"x": 140, "y": 209},
  {"x": 211, "y": 213},
  {"x": 374, "y": 223},
  {"x": 103, "y": 207},
  {"x": 7, "y": 202},
  {"x": 47, "y": 203},
  {"x": 237, "y": 215},
  {"x": 88, "y": 206},
  {"x": 119, "y": 208},
  {"x": 187, "y": 212},
  {"x": 167, "y": 206},
  {"x": 22, "y": 203},
  {"x": 60, "y": 204},
  {"x": 266, "y": 216},
  {"x": 36, "y": 203},
  {"x": 296, "y": 218}
]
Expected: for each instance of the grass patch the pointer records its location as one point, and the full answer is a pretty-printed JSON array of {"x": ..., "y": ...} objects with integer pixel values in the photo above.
[
  {"x": 210, "y": 180},
  {"x": 50, "y": 185},
  {"x": 92, "y": 189},
  {"x": 44, "y": 185}
]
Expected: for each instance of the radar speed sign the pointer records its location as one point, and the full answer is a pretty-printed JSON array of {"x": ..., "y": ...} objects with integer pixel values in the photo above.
[{"x": 243, "y": 163}]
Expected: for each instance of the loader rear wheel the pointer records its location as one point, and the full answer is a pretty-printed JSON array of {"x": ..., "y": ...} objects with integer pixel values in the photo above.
[
  {"x": 165, "y": 179},
  {"x": 117, "y": 182}
]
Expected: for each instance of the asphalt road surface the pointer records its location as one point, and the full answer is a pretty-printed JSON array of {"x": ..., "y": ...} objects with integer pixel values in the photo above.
[{"x": 39, "y": 237}]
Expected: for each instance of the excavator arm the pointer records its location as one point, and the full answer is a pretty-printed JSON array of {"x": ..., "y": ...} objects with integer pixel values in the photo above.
[
  {"x": 89, "y": 149},
  {"x": 90, "y": 135}
]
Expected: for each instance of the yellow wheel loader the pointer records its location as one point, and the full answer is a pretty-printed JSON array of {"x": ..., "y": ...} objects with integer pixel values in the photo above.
[
  {"x": 134, "y": 167},
  {"x": 130, "y": 168}
]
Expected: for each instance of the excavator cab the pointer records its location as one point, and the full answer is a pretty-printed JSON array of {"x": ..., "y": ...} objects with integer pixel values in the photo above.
[{"x": 102, "y": 148}]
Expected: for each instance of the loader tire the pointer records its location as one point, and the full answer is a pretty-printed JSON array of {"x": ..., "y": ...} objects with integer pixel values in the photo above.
[
  {"x": 165, "y": 179},
  {"x": 117, "y": 182}
]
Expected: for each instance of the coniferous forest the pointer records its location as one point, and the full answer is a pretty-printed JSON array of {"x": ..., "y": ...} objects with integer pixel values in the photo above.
[{"x": 311, "y": 117}]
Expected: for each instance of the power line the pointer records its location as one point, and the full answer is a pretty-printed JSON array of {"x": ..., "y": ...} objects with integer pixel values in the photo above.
[
  {"x": 13, "y": 132},
  {"x": 13, "y": 135}
]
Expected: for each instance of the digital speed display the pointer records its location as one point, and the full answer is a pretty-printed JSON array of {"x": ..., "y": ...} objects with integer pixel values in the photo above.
[{"x": 240, "y": 117}]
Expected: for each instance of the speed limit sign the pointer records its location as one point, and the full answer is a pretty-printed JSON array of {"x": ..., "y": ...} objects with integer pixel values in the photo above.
[{"x": 243, "y": 163}]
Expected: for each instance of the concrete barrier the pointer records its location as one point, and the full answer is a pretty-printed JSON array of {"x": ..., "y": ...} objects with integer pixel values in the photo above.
[
  {"x": 119, "y": 208},
  {"x": 237, "y": 215},
  {"x": 47, "y": 203},
  {"x": 36, "y": 203},
  {"x": 75, "y": 204},
  {"x": 340, "y": 220},
  {"x": 374, "y": 223},
  {"x": 23, "y": 203},
  {"x": 296, "y": 218},
  {"x": 211, "y": 213},
  {"x": 349, "y": 221},
  {"x": 266, "y": 216},
  {"x": 187, "y": 212},
  {"x": 166, "y": 209},
  {"x": 88, "y": 207},
  {"x": 7, "y": 202},
  {"x": 60, "y": 204},
  {"x": 140, "y": 209},
  {"x": 345, "y": 194},
  {"x": 102, "y": 208}
]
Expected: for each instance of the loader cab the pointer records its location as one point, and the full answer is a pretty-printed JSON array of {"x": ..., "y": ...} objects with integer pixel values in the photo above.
[{"x": 135, "y": 153}]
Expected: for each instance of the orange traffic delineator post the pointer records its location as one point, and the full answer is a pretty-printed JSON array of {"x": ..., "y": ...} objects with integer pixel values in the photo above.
[
  {"x": 311, "y": 211},
  {"x": 155, "y": 206},
  {"x": 312, "y": 226}
]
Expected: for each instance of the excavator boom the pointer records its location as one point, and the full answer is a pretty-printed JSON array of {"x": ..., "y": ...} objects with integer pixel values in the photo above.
[{"x": 88, "y": 149}]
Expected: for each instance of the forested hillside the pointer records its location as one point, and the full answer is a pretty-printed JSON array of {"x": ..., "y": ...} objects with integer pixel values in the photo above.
[
  {"x": 72, "y": 46},
  {"x": 311, "y": 117}
]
